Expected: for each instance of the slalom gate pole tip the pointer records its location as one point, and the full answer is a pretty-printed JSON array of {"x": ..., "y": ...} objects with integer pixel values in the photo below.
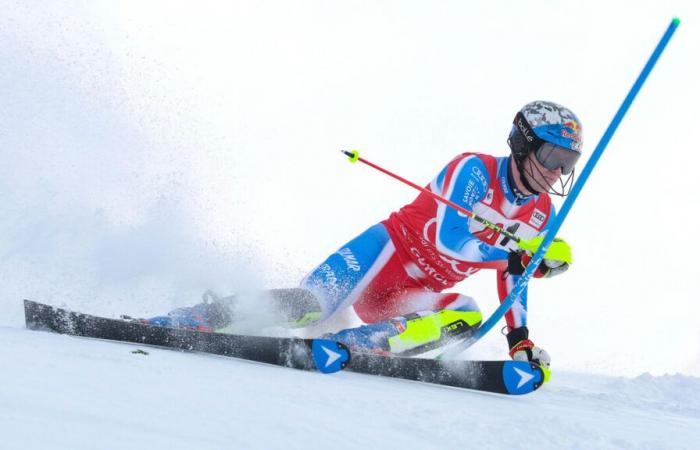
[
  {"x": 676, "y": 21},
  {"x": 353, "y": 155}
]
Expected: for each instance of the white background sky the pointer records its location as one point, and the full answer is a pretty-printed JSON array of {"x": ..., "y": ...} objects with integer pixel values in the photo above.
[{"x": 151, "y": 151}]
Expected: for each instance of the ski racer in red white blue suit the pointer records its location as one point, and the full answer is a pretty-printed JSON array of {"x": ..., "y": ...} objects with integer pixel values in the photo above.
[{"x": 397, "y": 274}]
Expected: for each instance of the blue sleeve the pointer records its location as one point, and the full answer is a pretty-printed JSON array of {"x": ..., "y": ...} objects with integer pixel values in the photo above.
[{"x": 468, "y": 186}]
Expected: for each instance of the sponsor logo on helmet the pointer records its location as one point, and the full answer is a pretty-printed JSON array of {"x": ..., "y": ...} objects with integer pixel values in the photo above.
[
  {"x": 525, "y": 130},
  {"x": 570, "y": 130},
  {"x": 572, "y": 124}
]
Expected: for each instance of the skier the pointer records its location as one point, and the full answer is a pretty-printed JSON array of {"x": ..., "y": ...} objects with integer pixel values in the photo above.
[{"x": 396, "y": 273}]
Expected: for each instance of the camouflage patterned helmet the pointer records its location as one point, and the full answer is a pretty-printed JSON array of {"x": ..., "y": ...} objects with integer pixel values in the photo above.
[
  {"x": 555, "y": 124},
  {"x": 553, "y": 133},
  {"x": 548, "y": 122}
]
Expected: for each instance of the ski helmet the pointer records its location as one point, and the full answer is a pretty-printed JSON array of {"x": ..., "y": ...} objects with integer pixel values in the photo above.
[{"x": 552, "y": 131}]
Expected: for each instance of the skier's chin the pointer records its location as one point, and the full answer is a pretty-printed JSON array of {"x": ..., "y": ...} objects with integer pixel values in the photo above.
[
  {"x": 535, "y": 182},
  {"x": 540, "y": 184}
]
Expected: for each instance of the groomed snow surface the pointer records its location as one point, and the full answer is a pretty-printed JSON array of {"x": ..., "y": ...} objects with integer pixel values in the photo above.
[
  {"x": 62, "y": 392},
  {"x": 152, "y": 150}
]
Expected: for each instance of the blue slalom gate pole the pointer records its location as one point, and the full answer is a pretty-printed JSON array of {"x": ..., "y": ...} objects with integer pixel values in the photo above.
[{"x": 459, "y": 347}]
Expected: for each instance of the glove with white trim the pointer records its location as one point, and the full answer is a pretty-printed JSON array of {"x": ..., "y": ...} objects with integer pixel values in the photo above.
[{"x": 523, "y": 349}]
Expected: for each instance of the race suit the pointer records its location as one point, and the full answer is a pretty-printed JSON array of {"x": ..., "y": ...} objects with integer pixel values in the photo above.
[{"x": 399, "y": 268}]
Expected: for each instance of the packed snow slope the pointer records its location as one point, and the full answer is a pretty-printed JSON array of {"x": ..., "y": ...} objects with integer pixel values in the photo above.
[
  {"x": 73, "y": 393},
  {"x": 150, "y": 151},
  {"x": 144, "y": 160}
]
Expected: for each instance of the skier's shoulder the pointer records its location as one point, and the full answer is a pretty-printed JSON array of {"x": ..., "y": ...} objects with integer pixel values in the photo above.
[
  {"x": 545, "y": 200},
  {"x": 485, "y": 159},
  {"x": 478, "y": 166},
  {"x": 476, "y": 162}
]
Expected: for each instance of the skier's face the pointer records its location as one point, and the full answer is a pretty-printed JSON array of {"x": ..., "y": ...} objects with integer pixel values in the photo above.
[{"x": 538, "y": 175}]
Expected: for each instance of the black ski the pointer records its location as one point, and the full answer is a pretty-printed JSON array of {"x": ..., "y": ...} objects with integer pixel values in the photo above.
[
  {"x": 306, "y": 354},
  {"x": 502, "y": 377}
]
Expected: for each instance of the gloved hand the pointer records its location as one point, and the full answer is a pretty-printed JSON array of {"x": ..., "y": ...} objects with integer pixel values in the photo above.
[
  {"x": 518, "y": 261},
  {"x": 523, "y": 349}
]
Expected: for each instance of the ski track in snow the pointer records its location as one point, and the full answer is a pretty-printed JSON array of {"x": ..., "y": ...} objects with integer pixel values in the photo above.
[{"x": 65, "y": 392}]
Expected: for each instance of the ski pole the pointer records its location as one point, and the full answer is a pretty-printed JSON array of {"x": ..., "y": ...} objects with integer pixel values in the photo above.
[
  {"x": 520, "y": 285},
  {"x": 558, "y": 251}
]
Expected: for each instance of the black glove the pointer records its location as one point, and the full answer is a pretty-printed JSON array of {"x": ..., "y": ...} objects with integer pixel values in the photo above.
[
  {"x": 518, "y": 260},
  {"x": 523, "y": 349}
]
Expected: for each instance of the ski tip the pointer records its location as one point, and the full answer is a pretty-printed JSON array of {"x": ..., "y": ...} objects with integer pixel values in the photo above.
[
  {"x": 522, "y": 377},
  {"x": 329, "y": 356},
  {"x": 546, "y": 372}
]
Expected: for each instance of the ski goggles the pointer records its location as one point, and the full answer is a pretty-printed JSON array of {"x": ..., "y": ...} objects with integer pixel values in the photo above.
[
  {"x": 554, "y": 156},
  {"x": 551, "y": 156}
]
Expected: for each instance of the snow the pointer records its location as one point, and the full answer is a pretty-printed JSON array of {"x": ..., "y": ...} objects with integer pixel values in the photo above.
[
  {"x": 76, "y": 393},
  {"x": 149, "y": 152}
]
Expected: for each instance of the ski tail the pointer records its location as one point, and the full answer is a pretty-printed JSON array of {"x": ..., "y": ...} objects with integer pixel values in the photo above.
[{"x": 323, "y": 355}]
